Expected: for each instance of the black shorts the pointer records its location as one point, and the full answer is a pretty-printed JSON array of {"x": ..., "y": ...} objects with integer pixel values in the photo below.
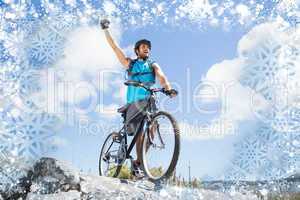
[{"x": 135, "y": 113}]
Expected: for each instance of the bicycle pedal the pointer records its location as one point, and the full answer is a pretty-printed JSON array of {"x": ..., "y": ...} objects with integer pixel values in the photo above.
[
  {"x": 138, "y": 176},
  {"x": 139, "y": 173}
]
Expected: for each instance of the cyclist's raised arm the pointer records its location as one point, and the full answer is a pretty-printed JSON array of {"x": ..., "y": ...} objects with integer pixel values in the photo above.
[
  {"x": 119, "y": 53},
  {"x": 161, "y": 77}
]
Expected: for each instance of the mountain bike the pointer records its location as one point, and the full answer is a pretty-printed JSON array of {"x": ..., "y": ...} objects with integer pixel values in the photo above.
[{"x": 160, "y": 142}]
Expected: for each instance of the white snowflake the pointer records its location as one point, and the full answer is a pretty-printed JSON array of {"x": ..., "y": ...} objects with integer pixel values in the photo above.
[
  {"x": 290, "y": 53},
  {"x": 234, "y": 172},
  {"x": 265, "y": 154},
  {"x": 46, "y": 39},
  {"x": 8, "y": 79},
  {"x": 27, "y": 134},
  {"x": 61, "y": 22},
  {"x": 28, "y": 26},
  {"x": 285, "y": 120},
  {"x": 4, "y": 56},
  {"x": 45, "y": 48},
  {"x": 29, "y": 82},
  {"x": 271, "y": 66},
  {"x": 283, "y": 113},
  {"x": 292, "y": 145},
  {"x": 14, "y": 43},
  {"x": 29, "y": 85},
  {"x": 12, "y": 168},
  {"x": 251, "y": 154},
  {"x": 279, "y": 162},
  {"x": 264, "y": 63},
  {"x": 267, "y": 134}
]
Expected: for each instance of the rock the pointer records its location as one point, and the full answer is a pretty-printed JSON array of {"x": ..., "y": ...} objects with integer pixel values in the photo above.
[
  {"x": 201, "y": 194},
  {"x": 50, "y": 175},
  {"x": 96, "y": 187},
  {"x": 16, "y": 190},
  {"x": 71, "y": 195},
  {"x": 51, "y": 179}
]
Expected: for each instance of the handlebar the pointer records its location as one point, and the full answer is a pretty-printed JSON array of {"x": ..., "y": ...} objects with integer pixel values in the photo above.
[
  {"x": 152, "y": 90},
  {"x": 136, "y": 84}
]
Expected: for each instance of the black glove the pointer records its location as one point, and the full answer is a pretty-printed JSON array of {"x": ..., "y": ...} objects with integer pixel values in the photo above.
[
  {"x": 171, "y": 92},
  {"x": 104, "y": 23}
]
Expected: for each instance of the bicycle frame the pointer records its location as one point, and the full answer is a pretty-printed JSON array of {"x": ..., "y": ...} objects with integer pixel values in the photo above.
[
  {"x": 148, "y": 127},
  {"x": 138, "y": 131},
  {"x": 150, "y": 110}
]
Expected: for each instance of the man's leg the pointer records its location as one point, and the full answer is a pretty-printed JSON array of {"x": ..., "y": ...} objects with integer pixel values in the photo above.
[
  {"x": 137, "y": 163},
  {"x": 139, "y": 142},
  {"x": 139, "y": 147}
]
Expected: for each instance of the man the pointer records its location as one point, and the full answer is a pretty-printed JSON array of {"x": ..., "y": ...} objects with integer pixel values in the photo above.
[{"x": 141, "y": 69}]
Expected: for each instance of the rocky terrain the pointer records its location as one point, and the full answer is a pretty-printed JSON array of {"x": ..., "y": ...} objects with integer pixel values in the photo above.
[
  {"x": 53, "y": 179},
  {"x": 285, "y": 188}
]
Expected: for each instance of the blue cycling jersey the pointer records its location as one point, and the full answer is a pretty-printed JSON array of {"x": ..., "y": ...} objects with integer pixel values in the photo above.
[{"x": 140, "y": 72}]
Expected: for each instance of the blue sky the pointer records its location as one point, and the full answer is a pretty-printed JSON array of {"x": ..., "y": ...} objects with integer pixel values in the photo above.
[
  {"x": 194, "y": 42},
  {"x": 175, "y": 50},
  {"x": 185, "y": 55}
]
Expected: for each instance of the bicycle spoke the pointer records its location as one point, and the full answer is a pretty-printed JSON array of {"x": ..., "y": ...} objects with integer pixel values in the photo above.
[
  {"x": 109, "y": 147},
  {"x": 110, "y": 162},
  {"x": 159, "y": 135},
  {"x": 159, "y": 147}
]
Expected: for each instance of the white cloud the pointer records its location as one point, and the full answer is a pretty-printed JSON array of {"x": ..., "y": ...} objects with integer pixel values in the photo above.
[
  {"x": 241, "y": 102},
  {"x": 218, "y": 128},
  {"x": 258, "y": 35},
  {"x": 88, "y": 67},
  {"x": 108, "y": 111},
  {"x": 226, "y": 71},
  {"x": 129, "y": 51},
  {"x": 119, "y": 93},
  {"x": 236, "y": 99},
  {"x": 87, "y": 51}
]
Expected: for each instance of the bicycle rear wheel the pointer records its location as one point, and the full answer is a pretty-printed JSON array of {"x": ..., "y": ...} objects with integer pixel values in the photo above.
[
  {"x": 112, "y": 156},
  {"x": 160, "y": 147}
]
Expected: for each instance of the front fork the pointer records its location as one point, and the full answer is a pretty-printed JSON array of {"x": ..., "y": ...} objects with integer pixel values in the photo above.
[{"x": 150, "y": 136}]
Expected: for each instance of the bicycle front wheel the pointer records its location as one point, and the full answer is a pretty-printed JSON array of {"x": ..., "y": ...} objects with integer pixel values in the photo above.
[{"x": 160, "y": 147}]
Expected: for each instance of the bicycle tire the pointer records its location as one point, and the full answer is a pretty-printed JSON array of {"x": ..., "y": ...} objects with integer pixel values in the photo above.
[{"x": 176, "y": 152}]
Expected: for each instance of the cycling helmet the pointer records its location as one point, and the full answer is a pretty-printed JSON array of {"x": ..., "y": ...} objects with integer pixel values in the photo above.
[{"x": 143, "y": 41}]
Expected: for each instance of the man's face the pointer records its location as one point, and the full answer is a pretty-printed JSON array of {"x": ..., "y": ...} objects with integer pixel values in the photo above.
[{"x": 143, "y": 51}]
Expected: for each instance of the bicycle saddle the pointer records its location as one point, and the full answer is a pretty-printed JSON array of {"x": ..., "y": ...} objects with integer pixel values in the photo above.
[{"x": 122, "y": 109}]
